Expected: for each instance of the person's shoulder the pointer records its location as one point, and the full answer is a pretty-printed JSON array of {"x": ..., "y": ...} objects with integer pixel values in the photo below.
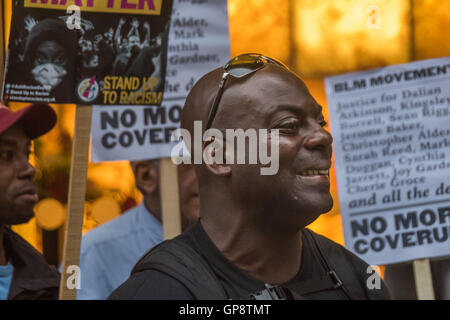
[
  {"x": 23, "y": 252},
  {"x": 169, "y": 253},
  {"x": 338, "y": 254},
  {"x": 330, "y": 245},
  {"x": 33, "y": 277},
  {"x": 151, "y": 285},
  {"x": 350, "y": 266},
  {"x": 112, "y": 230}
]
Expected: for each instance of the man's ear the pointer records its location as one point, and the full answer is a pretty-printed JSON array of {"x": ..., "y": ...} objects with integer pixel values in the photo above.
[
  {"x": 214, "y": 157},
  {"x": 146, "y": 176}
]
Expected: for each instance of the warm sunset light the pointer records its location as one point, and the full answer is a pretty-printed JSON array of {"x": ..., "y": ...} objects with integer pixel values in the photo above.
[{"x": 315, "y": 38}]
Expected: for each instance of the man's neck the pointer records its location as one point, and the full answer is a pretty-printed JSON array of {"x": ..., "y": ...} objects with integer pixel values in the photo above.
[
  {"x": 272, "y": 257},
  {"x": 3, "y": 260},
  {"x": 152, "y": 206}
]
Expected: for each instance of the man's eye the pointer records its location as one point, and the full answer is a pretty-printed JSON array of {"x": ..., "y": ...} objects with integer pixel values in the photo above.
[
  {"x": 60, "y": 60},
  {"x": 6, "y": 155},
  {"x": 41, "y": 59},
  {"x": 323, "y": 123},
  {"x": 289, "y": 126}
]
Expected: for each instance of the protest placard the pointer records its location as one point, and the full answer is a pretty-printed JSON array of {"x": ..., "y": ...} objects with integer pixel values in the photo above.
[
  {"x": 88, "y": 52},
  {"x": 392, "y": 156},
  {"x": 198, "y": 43},
  {"x": 133, "y": 133}
]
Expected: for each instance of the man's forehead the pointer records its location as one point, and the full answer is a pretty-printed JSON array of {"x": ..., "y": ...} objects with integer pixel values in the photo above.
[
  {"x": 14, "y": 136},
  {"x": 297, "y": 108},
  {"x": 269, "y": 90},
  {"x": 273, "y": 80},
  {"x": 265, "y": 88},
  {"x": 50, "y": 44}
]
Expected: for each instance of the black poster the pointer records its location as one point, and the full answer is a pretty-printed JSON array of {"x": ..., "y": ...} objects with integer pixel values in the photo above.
[{"x": 105, "y": 52}]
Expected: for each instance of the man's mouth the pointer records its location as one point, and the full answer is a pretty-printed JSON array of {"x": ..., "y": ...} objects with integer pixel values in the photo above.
[
  {"x": 315, "y": 172},
  {"x": 195, "y": 199},
  {"x": 315, "y": 176},
  {"x": 195, "y": 196},
  {"x": 29, "y": 195}
]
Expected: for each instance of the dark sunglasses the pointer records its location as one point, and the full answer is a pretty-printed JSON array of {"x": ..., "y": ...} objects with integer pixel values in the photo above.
[{"x": 239, "y": 67}]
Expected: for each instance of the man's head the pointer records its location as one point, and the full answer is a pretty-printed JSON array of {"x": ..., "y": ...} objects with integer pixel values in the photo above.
[
  {"x": 134, "y": 44},
  {"x": 48, "y": 51},
  {"x": 147, "y": 178},
  {"x": 18, "y": 193},
  {"x": 123, "y": 47},
  {"x": 87, "y": 46},
  {"x": 270, "y": 98},
  {"x": 109, "y": 34}
]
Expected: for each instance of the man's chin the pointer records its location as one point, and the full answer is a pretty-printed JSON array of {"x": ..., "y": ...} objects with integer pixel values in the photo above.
[
  {"x": 21, "y": 215},
  {"x": 312, "y": 211},
  {"x": 328, "y": 205},
  {"x": 315, "y": 202}
]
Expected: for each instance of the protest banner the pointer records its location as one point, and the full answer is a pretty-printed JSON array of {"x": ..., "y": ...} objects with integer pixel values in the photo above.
[
  {"x": 392, "y": 158},
  {"x": 88, "y": 51},
  {"x": 198, "y": 42},
  {"x": 133, "y": 133}
]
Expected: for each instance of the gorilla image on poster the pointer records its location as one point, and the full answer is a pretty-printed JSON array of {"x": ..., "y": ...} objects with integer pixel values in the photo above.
[{"x": 108, "y": 59}]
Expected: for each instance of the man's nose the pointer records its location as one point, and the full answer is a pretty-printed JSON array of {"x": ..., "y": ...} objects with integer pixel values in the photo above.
[
  {"x": 319, "y": 138},
  {"x": 26, "y": 170}
]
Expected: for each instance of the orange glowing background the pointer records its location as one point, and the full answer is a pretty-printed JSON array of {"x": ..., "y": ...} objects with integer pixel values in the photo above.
[{"x": 316, "y": 38}]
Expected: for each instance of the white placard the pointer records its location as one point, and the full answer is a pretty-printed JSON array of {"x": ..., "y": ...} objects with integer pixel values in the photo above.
[
  {"x": 391, "y": 130},
  {"x": 198, "y": 43}
]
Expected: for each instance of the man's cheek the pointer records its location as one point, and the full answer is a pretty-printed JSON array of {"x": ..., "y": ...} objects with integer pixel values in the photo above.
[
  {"x": 5, "y": 186},
  {"x": 5, "y": 204}
]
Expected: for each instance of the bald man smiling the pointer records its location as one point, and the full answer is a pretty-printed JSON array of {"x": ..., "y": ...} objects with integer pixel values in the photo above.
[{"x": 251, "y": 241}]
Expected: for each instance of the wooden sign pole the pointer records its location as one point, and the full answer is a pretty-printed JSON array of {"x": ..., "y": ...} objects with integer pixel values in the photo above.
[
  {"x": 75, "y": 207},
  {"x": 423, "y": 279},
  {"x": 170, "y": 202},
  {"x": 422, "y": 269}
]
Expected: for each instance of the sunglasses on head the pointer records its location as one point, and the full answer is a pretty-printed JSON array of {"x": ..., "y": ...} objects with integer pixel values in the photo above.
[{"x": 239, "y": 67}]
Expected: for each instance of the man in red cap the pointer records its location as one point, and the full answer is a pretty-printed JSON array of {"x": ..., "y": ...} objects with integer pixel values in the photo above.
[{"x": 24, "y": 273}]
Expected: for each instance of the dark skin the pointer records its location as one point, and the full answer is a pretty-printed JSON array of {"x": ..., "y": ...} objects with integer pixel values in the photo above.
[
  {"x": 147, "y": 181},
  {"x": 256, "y": 221},
  {"x": 50, "y": 52},
  {"x": 18, "y": 194}
]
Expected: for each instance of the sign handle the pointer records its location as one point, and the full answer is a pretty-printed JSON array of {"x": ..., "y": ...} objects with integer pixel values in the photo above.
[
  {"x": 75, "y": 206},
  {"x": 170, "y": 202},
  {"x": 423, "y": 279},
  {"x": 422, "y": 271}
]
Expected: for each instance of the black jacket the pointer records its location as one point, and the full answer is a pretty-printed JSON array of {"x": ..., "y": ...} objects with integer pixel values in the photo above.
[
  {"x": 33, "y": 278},
  {"x": 187, "y": 263}
]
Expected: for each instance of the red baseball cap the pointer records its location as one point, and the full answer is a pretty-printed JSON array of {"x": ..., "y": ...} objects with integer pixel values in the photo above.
[{"x": 36, "y": 119}]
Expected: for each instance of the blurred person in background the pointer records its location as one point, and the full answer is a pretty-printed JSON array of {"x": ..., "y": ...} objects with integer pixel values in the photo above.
[{"x": 109, "y": 252}]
